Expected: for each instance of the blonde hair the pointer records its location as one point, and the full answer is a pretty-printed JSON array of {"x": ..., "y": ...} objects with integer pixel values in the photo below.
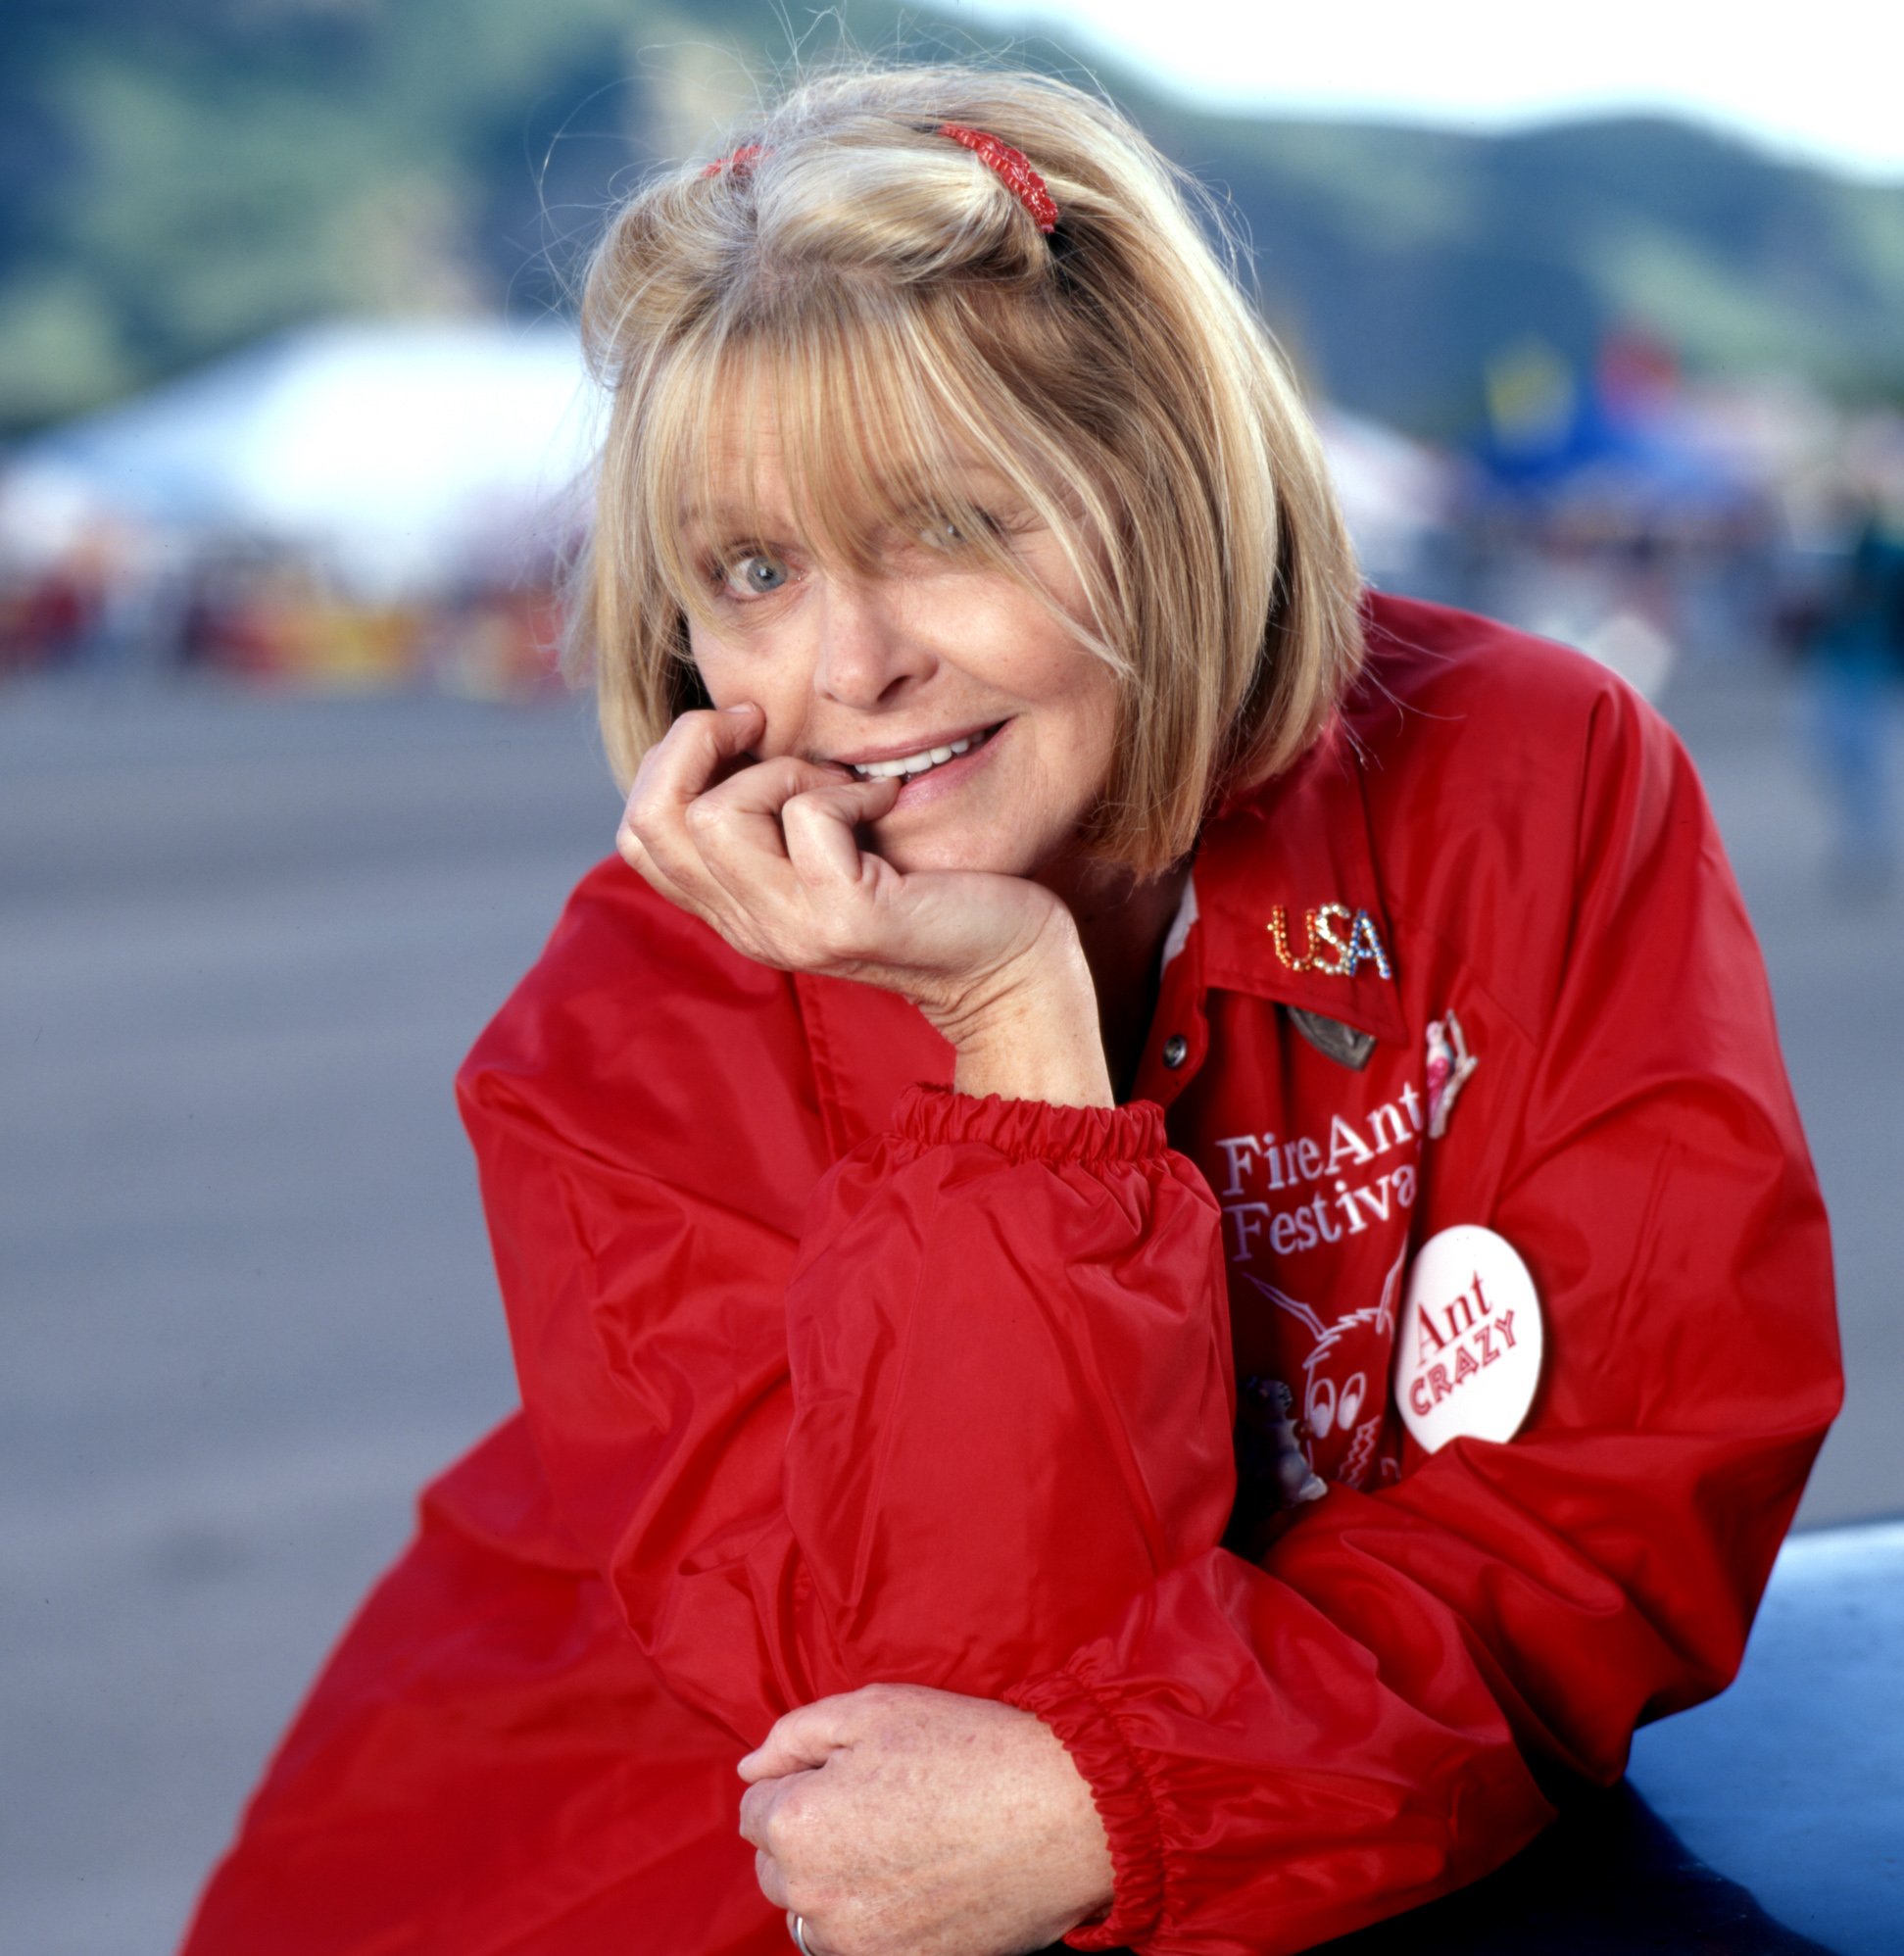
[{"x": 900, "y": 310}]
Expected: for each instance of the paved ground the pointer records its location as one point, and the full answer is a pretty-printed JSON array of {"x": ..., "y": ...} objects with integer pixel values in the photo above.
[{"x": 243, "y": 1282}]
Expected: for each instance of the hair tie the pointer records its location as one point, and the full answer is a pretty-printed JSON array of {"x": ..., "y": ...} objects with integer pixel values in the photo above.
[
  {"x": 1014, "y": 169},
  {"x": 1011, "y": 167},
  {"x": 739, "y": 161}
]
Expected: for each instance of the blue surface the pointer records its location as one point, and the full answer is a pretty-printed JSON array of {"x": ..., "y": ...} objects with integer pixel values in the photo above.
[
  {"x": 1792, "y": 1783},
  {"x": 1770, "y": 1821}
]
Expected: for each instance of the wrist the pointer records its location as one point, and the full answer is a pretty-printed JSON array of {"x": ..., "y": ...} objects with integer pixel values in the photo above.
[
  {"x": 1032, "y": 1033},
  {"x": 1121, "y": 1796},
  {"x": 1081, "y": 1865}
]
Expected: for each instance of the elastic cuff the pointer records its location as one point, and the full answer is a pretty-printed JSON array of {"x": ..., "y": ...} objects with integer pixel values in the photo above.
[
  {"x": 1121, "y": 1793},
  {"x": 1033, "y": 1130}
]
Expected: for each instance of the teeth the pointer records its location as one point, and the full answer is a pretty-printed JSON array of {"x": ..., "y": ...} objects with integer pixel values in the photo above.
[{"x": 916, "y": 763}]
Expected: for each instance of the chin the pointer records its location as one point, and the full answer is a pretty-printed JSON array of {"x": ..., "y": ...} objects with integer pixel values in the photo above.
[{"x": 918, "y": 854}]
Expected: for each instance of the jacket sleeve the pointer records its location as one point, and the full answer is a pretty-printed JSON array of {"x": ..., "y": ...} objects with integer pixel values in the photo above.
[
  {"x": 919, "y": 1433},
  {"x": 1385, "y": 1708}
]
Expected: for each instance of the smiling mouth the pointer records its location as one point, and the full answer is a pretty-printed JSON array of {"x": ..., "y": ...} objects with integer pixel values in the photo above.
[{"x": 910, "y": 767}]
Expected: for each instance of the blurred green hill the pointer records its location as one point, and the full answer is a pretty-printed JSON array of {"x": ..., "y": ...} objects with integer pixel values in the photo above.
[{"x": 180, "y": 180}]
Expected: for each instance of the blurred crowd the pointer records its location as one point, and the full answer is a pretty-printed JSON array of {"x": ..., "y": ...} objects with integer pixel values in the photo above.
[
  {"x": 256, "y": 613},
  {"x": 1644, "y": 518}
]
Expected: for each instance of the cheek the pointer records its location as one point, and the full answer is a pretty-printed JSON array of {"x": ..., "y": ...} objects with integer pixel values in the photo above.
[
  {"x": 716, "y": 664},
  {"x": 751, "y": 675},
  {"x": 1098, "y": 717},
  {"x": 734, "y": 675}
]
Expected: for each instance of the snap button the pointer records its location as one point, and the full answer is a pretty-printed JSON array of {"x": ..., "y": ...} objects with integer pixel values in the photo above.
[{"x": 1176, "y": 1049}]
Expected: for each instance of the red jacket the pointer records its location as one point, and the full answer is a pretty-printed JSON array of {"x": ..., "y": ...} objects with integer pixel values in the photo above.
[{"x": 829, "y": 1377}]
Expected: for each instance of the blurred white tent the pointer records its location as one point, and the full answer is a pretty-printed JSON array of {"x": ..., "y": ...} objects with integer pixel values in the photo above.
[
  {"x": 1395, "y": 493},
  {"x": 400, "y": 453},
  {"x": 395, "y": 451}
]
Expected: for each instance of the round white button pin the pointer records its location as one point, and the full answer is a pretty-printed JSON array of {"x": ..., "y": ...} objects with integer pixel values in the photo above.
[{"x": 1468, "y": 1347}]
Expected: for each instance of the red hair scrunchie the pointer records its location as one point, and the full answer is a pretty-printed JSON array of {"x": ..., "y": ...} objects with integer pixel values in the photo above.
[
  {"x": 739, "y": 161},
  {"x": 1011, "y": 167},
  {"x": 1014, "y": 169}
]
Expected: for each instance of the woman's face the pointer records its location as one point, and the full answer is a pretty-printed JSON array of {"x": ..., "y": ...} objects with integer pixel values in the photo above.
[{"x": 928, "y": 649}]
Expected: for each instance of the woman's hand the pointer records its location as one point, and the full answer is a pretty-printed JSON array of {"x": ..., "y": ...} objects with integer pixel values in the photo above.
[
  {"x": 768, "y": 854},
  {"x": 900, "y": 1821}
]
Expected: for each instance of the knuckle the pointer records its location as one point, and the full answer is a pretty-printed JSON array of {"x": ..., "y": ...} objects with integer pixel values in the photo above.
[
  {"x": 787, "y": 1825},
  {"x": 802, "y": 1826},
  {"x": 810, "y": 793},
  {"x": 642, "y": 812}
]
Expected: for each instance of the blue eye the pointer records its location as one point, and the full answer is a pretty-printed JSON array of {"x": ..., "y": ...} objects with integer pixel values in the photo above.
[
  {"x": 942, "y": 532},
  {"x": 756, "y": 573}
]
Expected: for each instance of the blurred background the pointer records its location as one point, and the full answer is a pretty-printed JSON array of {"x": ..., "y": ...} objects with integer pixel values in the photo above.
[{"x": 1606, "y": 337}]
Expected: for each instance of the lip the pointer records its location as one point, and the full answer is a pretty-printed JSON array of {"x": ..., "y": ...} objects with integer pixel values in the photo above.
[
  {"x": 923, "y": 743},
  {"x": 936, "y": 784}
]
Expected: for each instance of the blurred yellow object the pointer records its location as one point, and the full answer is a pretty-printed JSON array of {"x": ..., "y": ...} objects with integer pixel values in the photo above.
[
  {"x": 360, "y": 646},
  {"x": 1531, "y": 395}
]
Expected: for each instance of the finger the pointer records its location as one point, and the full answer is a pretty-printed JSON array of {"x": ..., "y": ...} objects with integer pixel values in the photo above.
[
  {"x": 679, "y": 768},
  {"x": 759, "y": 1806},
  {"x": 695, "y": 751},
  {"x": 636, "y": 854},
  {"x": 742, "y": 814},
  {"x": 772, "y": 1879},
  {"x": 756, "y": 1810},
  {"x": 819, "y": 828},
  {"x": 814, "y": 1947},
  {"x": 802, "y": 1738},
  {"x": 740, "y": 830}
]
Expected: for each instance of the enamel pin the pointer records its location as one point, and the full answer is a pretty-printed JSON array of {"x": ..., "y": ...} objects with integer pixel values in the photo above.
[{"x": 1450, "y": 1064}]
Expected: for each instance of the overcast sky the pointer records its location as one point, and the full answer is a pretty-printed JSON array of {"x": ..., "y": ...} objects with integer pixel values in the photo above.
[{"x": 1819, "y": 79}]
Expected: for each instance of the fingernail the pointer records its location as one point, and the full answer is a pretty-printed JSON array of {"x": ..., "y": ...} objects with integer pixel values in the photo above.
[{"x": 741, "y": 707}]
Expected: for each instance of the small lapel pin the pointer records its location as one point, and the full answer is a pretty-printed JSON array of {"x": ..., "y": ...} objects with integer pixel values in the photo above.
[
  {"x": 1450, "y": 1065},
  {"x": 1337, "y": 941}
]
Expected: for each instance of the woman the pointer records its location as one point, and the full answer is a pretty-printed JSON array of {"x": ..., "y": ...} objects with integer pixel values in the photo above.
[{"x": 1087, "y": 967}]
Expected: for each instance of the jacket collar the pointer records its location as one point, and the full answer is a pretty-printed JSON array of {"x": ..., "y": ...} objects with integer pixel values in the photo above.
[{"x": 1296, "y": 852}]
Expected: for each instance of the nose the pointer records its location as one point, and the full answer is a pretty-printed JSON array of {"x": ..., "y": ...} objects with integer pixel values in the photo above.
[{"x": 869, "y": 656}]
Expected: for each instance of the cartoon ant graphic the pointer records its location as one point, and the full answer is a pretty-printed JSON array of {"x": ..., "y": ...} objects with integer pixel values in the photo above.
[{"x": 1331, "y": 1404}]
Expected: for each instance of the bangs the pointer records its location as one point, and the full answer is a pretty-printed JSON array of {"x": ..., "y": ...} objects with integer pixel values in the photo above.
[{"x": 859, "y": 416}]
